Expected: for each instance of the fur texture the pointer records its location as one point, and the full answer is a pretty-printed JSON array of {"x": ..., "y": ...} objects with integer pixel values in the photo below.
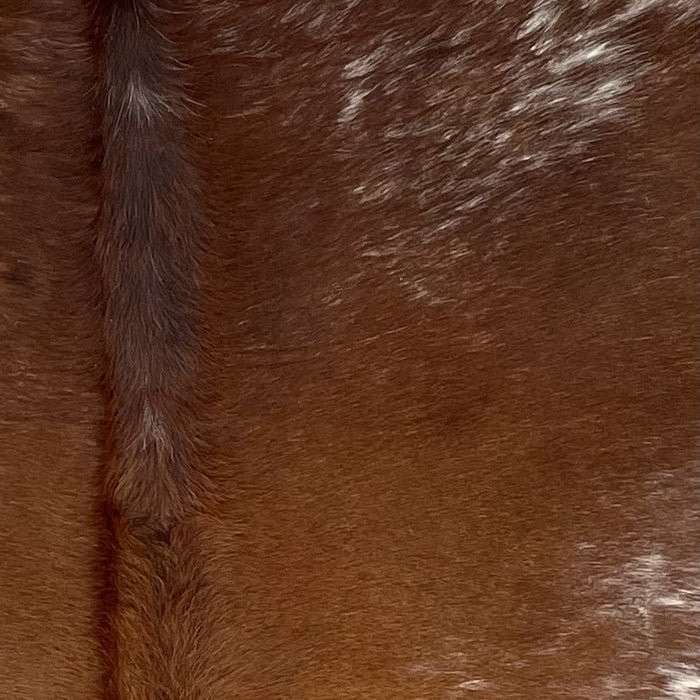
[
  {"x": 50, "y": 401},
  {"x": 361, "y": 362},
  {"x": 150, "y": 232}
]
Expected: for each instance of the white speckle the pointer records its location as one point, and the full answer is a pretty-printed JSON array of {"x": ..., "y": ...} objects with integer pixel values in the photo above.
[
  {"x": 637, "y": 589},
  {"x": 543, "y": 17},
  {"x": 228, "y": 40},
  {"x": 296, "y": 11},
  {"x": 353, "y": 105},
  {"x": 419, "y": 292},
  {"x": 154, "y": 431},
  {"x": 681, "y": 9},
  {"x": 141, "y": 102},
  {"x": 604, "y": 92},
  {"x": 320, "y": 20},
  {"x": 475, "y": 684},
  {"x": 683, "y": 599},
  {"x": 582, "y": 57},
  {"x": 682, "y": 682},
  {"x": 364, "y": 65},
  {"x": 473, "y": 203},
  {"x": 502, "y": 137}
]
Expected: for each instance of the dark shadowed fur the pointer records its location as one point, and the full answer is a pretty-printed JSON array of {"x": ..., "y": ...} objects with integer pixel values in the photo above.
[{"x": 149, "y": 235}]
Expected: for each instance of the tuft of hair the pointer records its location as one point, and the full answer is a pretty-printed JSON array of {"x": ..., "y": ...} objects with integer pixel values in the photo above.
[{"x": 148, "y": 245}]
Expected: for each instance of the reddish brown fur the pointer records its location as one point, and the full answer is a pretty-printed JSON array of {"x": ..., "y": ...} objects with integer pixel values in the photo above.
[
  {"x": 361, "y": 361},
  {"x": 149, "y": 236}
]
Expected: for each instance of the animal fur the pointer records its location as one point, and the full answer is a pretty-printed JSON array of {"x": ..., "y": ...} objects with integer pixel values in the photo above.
[
  {"x": 150, "y": 232},
  {"x": 361, "y": 361}
]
